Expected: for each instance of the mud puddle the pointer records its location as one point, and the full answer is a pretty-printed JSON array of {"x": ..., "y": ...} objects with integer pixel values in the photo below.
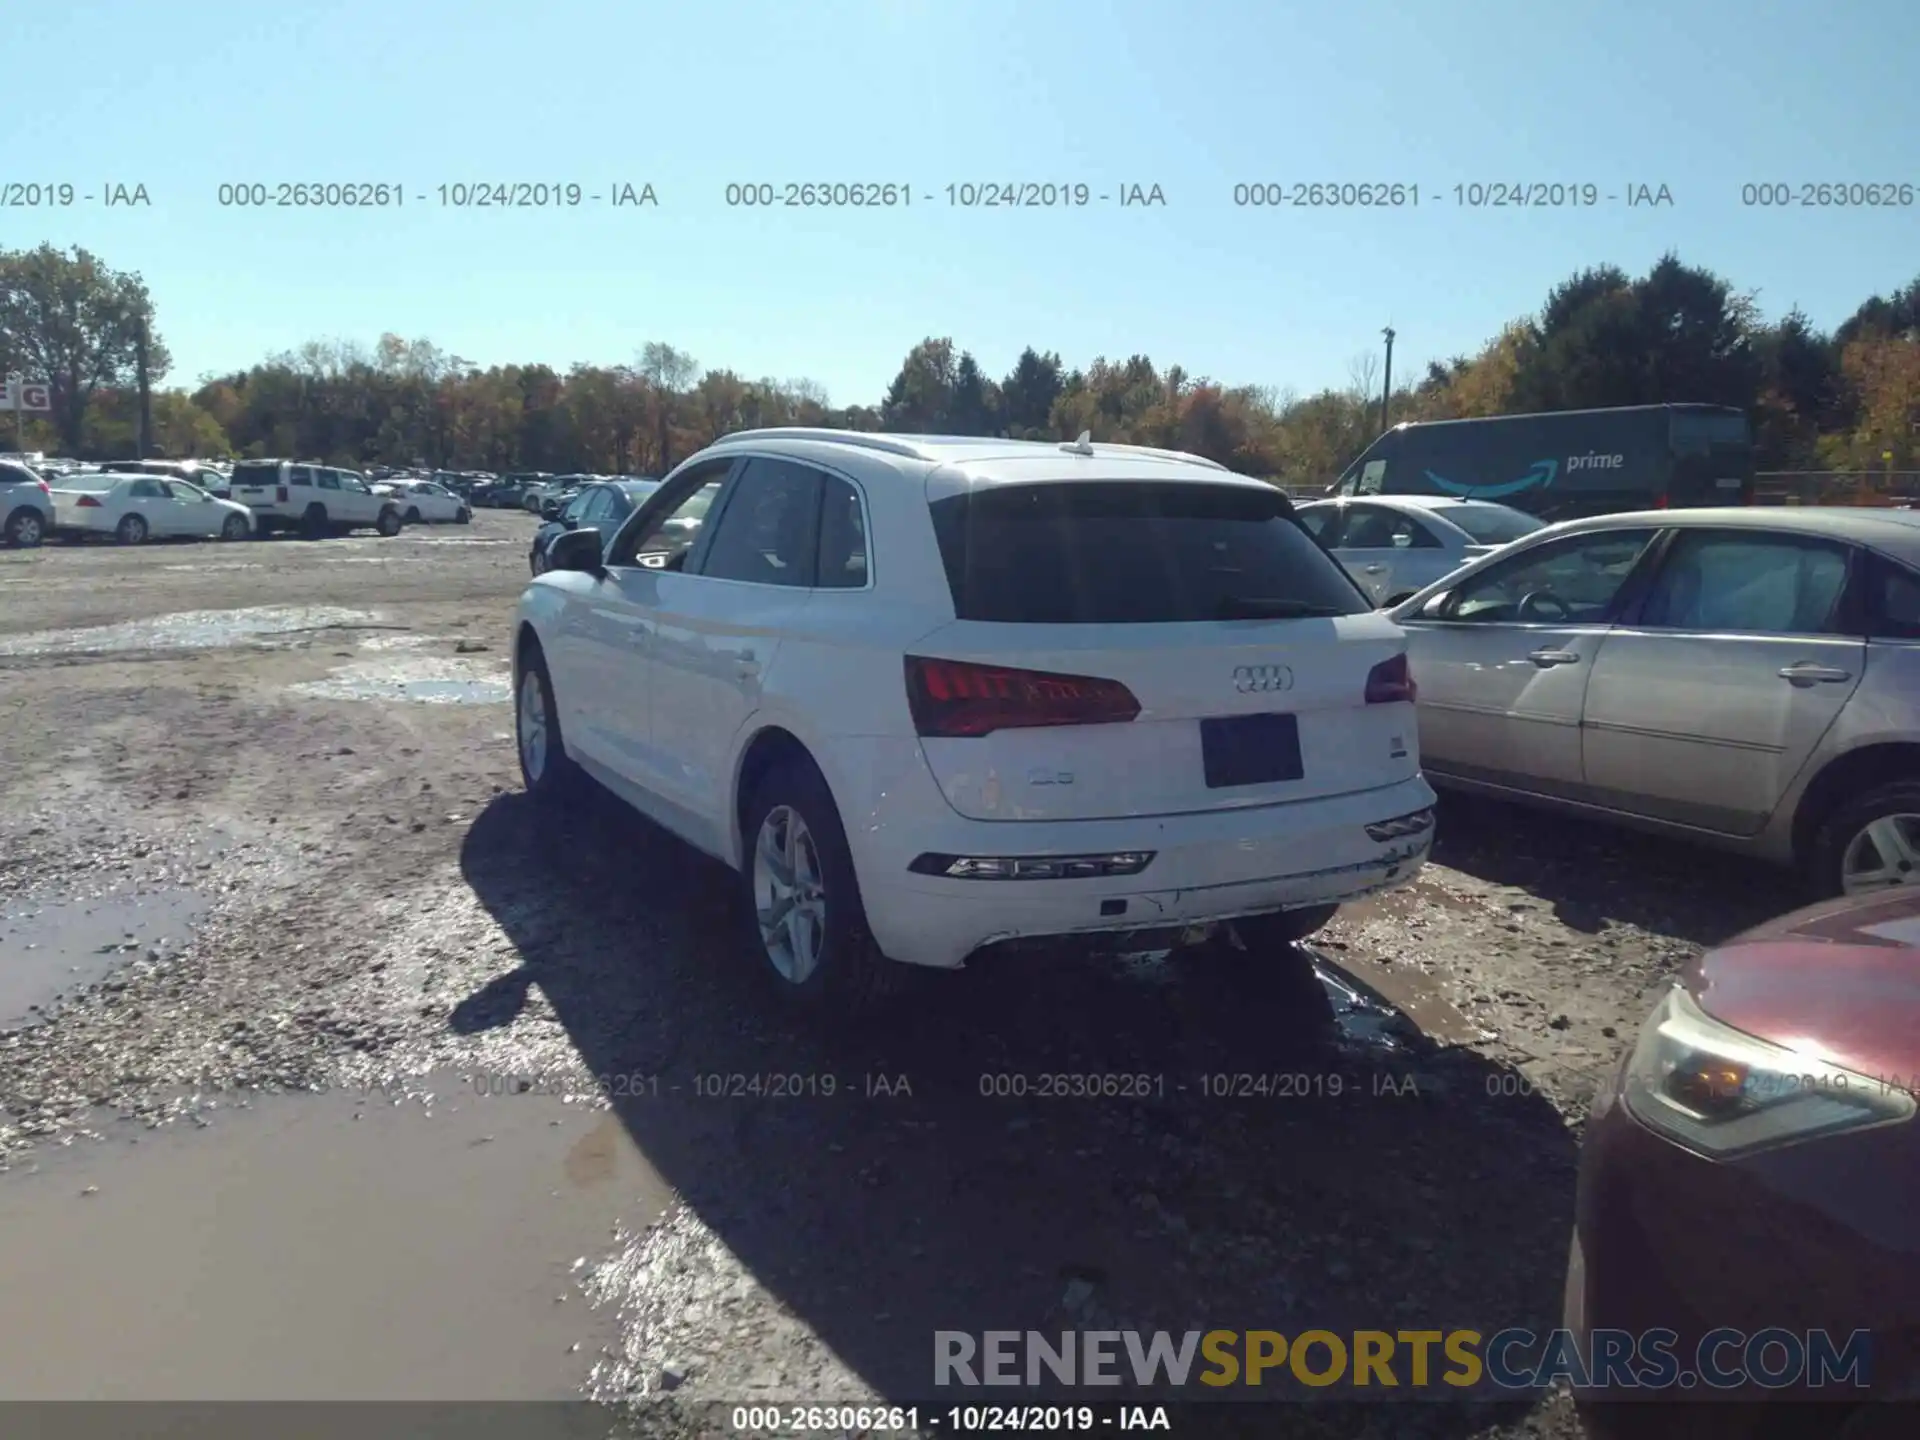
[
  {"x": 349, "y": 1245},
  {"x": 187, "y": 630},
  {"x": 1377, "y": 1005},
  {"x": 417, "y": 679},
  {"x": 52, "y": 947}
]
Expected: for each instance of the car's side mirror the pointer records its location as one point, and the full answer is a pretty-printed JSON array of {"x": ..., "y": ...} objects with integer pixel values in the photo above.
[{"x": 577, "y": 550}]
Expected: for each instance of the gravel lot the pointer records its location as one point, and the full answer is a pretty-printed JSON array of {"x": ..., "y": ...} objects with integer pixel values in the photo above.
[{"x": 256, "y": 850}]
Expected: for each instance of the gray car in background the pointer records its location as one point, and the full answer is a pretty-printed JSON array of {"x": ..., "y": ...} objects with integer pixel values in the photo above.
[
  {"x": 1395, "y": 545},
  {"x": 1748, "y": 678}
]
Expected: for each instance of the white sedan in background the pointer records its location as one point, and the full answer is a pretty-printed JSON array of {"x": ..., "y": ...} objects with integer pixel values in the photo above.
[
  {"x": 136, "y": 508},
  {"x": 1394, "y": 545},
  {"x": 422, "y": 502}
]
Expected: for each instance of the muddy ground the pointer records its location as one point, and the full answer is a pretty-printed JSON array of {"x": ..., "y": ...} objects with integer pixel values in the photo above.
[{"x": 308, "y": 1023}]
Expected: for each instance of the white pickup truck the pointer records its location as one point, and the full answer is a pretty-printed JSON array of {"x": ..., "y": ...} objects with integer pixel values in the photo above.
[{"x": 315, "y": 500}]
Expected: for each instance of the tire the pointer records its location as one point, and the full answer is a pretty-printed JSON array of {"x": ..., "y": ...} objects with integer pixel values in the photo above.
[
  {"x": 413, "y": 515},
  {"x": 1259, "y": 958},
  {"x": 1284, "y": 927},
  {"x": 463, "y": 516},
  {"x": 551, "y": 777},
  {"x": 26, "y": 528},
  {"x": 831, "y": 968},
  {"x": 235, "y": 527},
  {"x": 1842, "y": 846},
  {"x": 313, "y": 524},
  {"x": 389, "y": 523},
  {"x": 132, "y": 530}
]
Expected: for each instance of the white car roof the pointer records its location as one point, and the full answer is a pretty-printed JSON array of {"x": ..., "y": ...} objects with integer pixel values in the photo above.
[{"x": 956, "y": 463}]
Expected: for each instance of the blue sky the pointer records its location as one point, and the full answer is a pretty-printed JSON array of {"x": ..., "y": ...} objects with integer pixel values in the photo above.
[{"x": 1194, "y": 96}]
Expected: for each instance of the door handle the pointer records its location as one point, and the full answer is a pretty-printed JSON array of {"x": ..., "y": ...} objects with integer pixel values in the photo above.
[
  {"x": 1805, "y": 675},
  {"x": 1375, "y": 569},
  {"x": 1547, "y": 659}
]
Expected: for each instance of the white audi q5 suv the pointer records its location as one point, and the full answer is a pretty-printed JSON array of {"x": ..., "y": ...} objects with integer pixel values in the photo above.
[{"x": 928, "y": 694}]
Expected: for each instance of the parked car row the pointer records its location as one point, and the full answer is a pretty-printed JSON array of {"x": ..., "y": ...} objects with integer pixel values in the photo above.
[{"x": 129, "y": 506}]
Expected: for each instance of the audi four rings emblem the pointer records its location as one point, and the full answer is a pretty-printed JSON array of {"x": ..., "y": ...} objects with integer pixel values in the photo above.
[{"x": 1260, "y": 679}]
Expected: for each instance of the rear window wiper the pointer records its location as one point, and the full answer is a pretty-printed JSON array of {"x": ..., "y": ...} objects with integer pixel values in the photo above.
[{"x": 1255, "y": 607}]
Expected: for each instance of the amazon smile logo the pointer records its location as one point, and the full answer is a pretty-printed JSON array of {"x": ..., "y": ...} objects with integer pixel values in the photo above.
[{"x": 1539, "y": 476}]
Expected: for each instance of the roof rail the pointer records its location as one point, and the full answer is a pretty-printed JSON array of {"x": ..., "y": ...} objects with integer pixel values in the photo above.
[
  {"x": 1158, "y": 453},
  {"x": 865, "y": 439},
  {"x": 915, "y": 447}
]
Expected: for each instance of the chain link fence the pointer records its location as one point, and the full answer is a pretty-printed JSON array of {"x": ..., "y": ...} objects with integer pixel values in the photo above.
[{"x": 1836, "y": 487}]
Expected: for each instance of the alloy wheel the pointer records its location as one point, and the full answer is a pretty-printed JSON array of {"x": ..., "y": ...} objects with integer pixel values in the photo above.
[
  {"x": 533, "y": 724},
  {"x": 1884, "y": 853},
  {"x": 789, "y": 894}
]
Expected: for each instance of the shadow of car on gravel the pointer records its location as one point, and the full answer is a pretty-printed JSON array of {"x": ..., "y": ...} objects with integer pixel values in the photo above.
[
  {"x": 1416, "y": 1188},
  {"x": 1591, "y": 873}
]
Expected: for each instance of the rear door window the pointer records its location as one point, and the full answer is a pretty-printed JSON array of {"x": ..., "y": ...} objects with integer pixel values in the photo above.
[
  {"x": 1764, "y": 584},
  {"x": 1893, "y": 600},
  {"x": 300, "y": 475},
  {"x": 767, "y": 532},
  {"x": 1371, "y": 528},
  {"x": 1094, "y": 552},
  {"x": 843, "y": 537}
]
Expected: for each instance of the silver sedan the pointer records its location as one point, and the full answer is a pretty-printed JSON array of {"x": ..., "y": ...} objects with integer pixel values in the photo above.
[{"x": 1748, "y": 678}]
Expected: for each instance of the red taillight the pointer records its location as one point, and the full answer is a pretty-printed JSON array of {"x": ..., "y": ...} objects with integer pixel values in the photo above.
[
  {"x": 281, "y": 495},
  {"x": 1391, "y": 683},
  {"x": 46, "y": 489},
  {"x": 87, "y": 502},
  {"x": 954, "y": 698},
  {"x": 1661, "y": 502}
]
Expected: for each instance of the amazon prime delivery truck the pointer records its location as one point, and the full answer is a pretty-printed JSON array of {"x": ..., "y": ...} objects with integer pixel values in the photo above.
[{"x": 1562, "y": 464}]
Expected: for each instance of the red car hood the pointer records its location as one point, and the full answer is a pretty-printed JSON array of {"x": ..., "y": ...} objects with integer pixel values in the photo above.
[{"x": 1841, "y": 980}]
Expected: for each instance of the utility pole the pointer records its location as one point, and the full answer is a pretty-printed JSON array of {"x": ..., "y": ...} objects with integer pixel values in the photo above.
[
  {"x": 146, "y": 391},
  {"x": 1386, "y": 384}
]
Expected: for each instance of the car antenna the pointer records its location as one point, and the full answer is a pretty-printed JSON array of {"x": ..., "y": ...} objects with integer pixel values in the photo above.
[{"x": 1082, "y": 446}]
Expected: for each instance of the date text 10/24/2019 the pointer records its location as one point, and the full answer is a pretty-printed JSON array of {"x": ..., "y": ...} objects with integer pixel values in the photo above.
[{"x": 1472, "y": 195}]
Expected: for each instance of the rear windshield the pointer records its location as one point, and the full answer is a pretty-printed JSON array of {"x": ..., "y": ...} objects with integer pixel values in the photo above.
[
  {"x": 268, "y": 474},
  {"x": 1492, "y": 524},
  {"x": 1132, "y": 552}
]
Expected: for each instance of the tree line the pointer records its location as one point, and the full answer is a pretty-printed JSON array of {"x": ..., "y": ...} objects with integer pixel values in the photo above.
[{"x": 1845, "y": 400}]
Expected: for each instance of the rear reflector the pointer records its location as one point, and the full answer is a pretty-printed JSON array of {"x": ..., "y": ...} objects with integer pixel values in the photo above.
[
  {"x": 1401, "y": 827},
  {"x": 1661, "y": 502},
  {"x": 1032, "y": 867},
  {"x": 952, "y": 698},
  {"x": 87, "y": 502},
  {"x": 1391, "y": 682}
]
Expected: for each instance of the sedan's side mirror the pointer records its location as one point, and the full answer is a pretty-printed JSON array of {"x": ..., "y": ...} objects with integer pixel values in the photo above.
[{"x": 577, "y": 550}]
